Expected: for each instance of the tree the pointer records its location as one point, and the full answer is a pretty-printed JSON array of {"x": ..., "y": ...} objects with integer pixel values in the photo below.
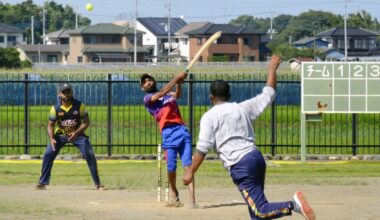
[
  {"x": 363, "y": 19},
  {"x": 9, "y": 58},
  {"x": 57, "y": 17},
  {"x": 260, "y": 24},
  {"x": 281, "y": 22},
  {"x": 287, "y": 52},
  {"x": 306, "y": 24}
]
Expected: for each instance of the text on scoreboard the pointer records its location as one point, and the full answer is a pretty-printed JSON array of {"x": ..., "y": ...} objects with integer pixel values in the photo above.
[{"x": 337, "y": 87}]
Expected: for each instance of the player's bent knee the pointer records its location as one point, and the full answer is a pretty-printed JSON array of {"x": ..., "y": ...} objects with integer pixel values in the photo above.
[{"x": 172, "y": 167}]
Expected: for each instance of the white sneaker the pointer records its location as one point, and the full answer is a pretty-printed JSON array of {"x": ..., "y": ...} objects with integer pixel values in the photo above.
[{"x": 301, "y": 206}]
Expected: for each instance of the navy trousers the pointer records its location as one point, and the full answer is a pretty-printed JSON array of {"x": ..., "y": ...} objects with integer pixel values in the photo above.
[
  {"x": 85, "y": 148},
  {"x": 249, "y": 176}
]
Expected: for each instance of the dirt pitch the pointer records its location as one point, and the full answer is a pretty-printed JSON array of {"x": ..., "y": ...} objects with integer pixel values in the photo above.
[{"x": 329, "y": 202}]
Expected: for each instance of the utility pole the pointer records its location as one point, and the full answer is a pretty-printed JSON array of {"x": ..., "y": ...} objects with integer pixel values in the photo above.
[
  {"x": 314, "y": 44},
  {"x": 345, "y": 30},
  {"x": 169, "y": 32},
  {"x": 76, "y": 18},
  {"x": 32, "y": 29},
  {"x": 135, "y": 39},
  {"x": 43, "y": 25},
  {"x": 271, "y": 30}
]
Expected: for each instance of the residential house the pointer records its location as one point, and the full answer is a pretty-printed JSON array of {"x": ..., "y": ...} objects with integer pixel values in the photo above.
[
  {"x": 360, "y": 42},
  {"x": 237, "y": 43},
  {"x": 57, "y": 37},
  {"x": 264, "y": 51},
  {"x": 183, "y": 39},
  {"x": 105, "y": 42},
  {"x": 331, "y": 54},
  {"x": 157, "y": 34},
  {"x": 10, "y": 36},
  {"x": 295, "y": 63},
  {"x": 37, "y": 53},
  {"x": 311, "y": 42}
]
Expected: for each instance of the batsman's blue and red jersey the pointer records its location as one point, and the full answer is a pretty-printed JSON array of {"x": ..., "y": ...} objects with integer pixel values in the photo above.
[{"x": 165, "y": 110}]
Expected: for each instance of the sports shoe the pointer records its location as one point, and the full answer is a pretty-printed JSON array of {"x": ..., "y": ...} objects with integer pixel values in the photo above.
[
  {"x": 193, "y": 205},
  {"x": 301, "y": 206},
  {"x": 40, "y": 186},
  {"x": 100, "y": 187},
  {"x": 174, "y": 203}
]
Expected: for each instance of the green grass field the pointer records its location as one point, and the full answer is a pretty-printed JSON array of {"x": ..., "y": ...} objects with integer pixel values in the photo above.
[
  {"x": 133, "y": 126},
  {"x": 142, "y": 175}
]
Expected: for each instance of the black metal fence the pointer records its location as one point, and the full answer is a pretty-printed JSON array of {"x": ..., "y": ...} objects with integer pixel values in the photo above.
[{"x": 120, "y": 124}]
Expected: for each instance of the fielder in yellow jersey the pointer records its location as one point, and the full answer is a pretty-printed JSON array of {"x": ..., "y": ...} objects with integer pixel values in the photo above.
[{"x": 72, "y": 120}]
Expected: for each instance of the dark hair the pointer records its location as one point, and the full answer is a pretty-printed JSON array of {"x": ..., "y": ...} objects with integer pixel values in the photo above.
[
  {"x": 145, "y": 76},
  {"x": 64, "y": 86},
  {"x": 220, "y": 90}
]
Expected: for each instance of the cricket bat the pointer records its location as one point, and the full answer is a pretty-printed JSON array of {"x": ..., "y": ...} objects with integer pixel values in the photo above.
[{"x": 206, "y": 45}]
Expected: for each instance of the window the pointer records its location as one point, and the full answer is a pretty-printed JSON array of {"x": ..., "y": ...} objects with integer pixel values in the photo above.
[
  {"x": 1, "y": 39},
  {"x": 184, "y": 41},
  {"x": 199, "y": 41},
  {"x": 371, "y": 44},
  {"x": 35, "y": 59},
  {"x": 248, "y": 41},
  {"x": 95, "y": 59},
  {"x": 11, "y": 38},
  {"x": 227, "y": 40},
  {"x": 131, "y": 39},
  {"x": 110, "y": 39},
  {"x": 233, "y": 40},
  {"x": 79, "y": 59},
  {"x": 360, "y": 44},
  {"x": 52, "y": 58},
  {"x": 89, "y": 40},
  {"x": 64, "y": 41},
  {"x": 340, "y": 44},
  {"x": 139, "y": 40}
]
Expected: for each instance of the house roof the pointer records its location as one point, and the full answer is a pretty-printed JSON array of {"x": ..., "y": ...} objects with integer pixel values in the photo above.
[
  {"x": 264, "y": 39},
  {"x": 156, "y": 25},
  {"x": 63, "y": 33},
  {"x": 4, "y": 28},
  {"x": 301, "y": 59},
  {"x": 191, "y": 26},
  {"x": 211, "y": 28},
  {"x": 306, "y": 40},
  {"x": 103, "y": 28},
  {"x": 350, "y": 31},
  {"x": 42, "y": 48},
  {"x": 91, "y": 49},
  {"x": 332, "y": 53}
]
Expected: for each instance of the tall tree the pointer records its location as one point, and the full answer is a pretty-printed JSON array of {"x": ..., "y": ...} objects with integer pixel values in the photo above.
[
  {"x": 307, "y": 24},
  {"x": 57, "y": 17},
  {"x": 281, "y": 22},
  {"x": 260, "y": 24},
  {"x": 363, "y": 19}
]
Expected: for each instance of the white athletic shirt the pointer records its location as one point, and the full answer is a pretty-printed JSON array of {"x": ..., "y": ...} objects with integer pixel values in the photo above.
[{"x": 228, "y": 127}]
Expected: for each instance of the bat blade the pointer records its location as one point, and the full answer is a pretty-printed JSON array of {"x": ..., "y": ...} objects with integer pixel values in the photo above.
[{"x": 203, "y": 48}]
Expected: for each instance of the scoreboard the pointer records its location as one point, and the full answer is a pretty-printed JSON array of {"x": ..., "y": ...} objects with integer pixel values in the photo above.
[{"x": 340, "y": 87}]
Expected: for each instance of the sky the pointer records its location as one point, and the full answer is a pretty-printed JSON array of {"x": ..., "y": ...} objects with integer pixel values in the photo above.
[{"x": 216, "y": 11}]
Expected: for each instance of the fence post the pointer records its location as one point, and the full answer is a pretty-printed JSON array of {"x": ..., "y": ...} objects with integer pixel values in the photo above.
[
  {"x": 273, "y": 129},
  {"x": 354, "y": 144},
  {"x": 109, "y": 115},
  {"x": 190, "y": 103},
  {"x": 26, "y": 116}
]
